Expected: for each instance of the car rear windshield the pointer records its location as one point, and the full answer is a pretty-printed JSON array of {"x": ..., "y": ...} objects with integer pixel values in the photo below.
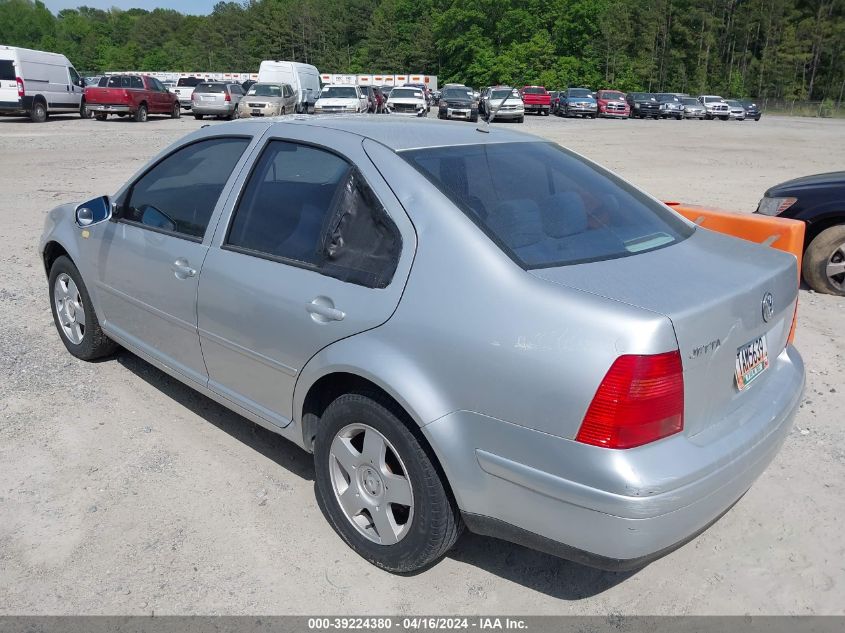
[
  {"x": 189, "y": 82},
  {"x": 534, "y": 91},
  {"x": 406, "y": 93},
  {"x": 216, "y": 88},
  {"x": 544, "y": 206},
  {"x": 7, "y": 70},
  {"x": 339, "y": 92}
]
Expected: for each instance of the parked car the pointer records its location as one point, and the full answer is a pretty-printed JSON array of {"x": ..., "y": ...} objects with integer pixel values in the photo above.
[
  {"x": 185, "y": 89},
  {"x": 670, "y": 106},
  {"x": 611, "y": 103},
  {"x": 372, "y": 101},
  {"x": 643, "y": 105},
  {"x": 426, "y": 92},
  {"x": 715, "y": 107},
  {"x": 457, "y": 103},
  {"x": 693, "y": 109},
  {"x": 752, "y": 111},
  {"x": 737, "y": 110},
  {"x": 505, "y": 101},
  {"x": 554, "y": 101},
  {"x": 216, "y": 98},
  {"x": 303, "y": 78},
  {"x": 600, "y": 409},
  {"x": 264, "y": 99},
  {"x": 135, "y": 96},
  {"x": 37, "y": 84},
  {"x": 408, "y": 101},
  {"x": 341, "y": 98},
  {"x": 578, "y": 102},
  {"x": 535, "y": 99},
  {"x": 818, "y": 201}
]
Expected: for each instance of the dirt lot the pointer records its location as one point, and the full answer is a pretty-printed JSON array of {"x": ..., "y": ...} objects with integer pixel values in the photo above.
[{"x": 124, "y": 492}]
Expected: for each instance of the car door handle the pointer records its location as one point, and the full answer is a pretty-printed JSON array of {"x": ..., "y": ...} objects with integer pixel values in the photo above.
[
  {"x": 322, "y": 310},
  {"x": 182, "y": 269}
]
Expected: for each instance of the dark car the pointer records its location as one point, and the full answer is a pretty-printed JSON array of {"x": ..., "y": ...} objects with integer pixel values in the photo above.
[
  {"x": 643, "y": 105},
  {"x": 457, "y": 102},
  {"x": 372, "y": 100},
  {"x": 752, "y": 111},
  {"x": 819, "y": 202}
]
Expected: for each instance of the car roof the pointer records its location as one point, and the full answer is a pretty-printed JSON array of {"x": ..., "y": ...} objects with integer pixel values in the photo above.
[{"x": 394, "y": 133}]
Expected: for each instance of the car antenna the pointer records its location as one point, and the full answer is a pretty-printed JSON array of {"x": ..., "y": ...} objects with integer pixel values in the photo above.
[{"x": 485, "y": 127}]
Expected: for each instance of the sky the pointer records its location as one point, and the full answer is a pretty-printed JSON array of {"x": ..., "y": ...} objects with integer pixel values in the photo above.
[{"x": 185, "y": 6}]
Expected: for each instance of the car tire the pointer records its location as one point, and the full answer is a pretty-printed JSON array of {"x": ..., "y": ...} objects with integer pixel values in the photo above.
[
  {"x": 176, "y": 111},
  {"x": 826, "y": 249},
  {"x": 101, "y": 116},
  {"x": 69, "y": 296},
  {"x": 198, "y": 117},
  {"x": 84, "y": 112},
  {"x": 757, "y": 118},
  {"x": 235, "y": 114},
  {"x": 38, "y": 114},
  {"x": 521, "y": 119},
  {"x": 365, "y": 433},
  {"x": 140, "y": 114}
]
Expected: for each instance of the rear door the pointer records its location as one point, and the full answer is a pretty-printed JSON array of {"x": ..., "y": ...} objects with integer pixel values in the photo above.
[
  {"x": 8, "y": 84},
  {"x": 317, "y": 248}
]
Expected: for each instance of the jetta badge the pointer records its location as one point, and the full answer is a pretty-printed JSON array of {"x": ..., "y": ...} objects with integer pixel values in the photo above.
[{"x": 768, "y": 306}]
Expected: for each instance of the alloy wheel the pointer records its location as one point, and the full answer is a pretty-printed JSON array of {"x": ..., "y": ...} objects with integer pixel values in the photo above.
[
  {"x": 69, "y": 308},
  {"x": 835, "y": 268}
]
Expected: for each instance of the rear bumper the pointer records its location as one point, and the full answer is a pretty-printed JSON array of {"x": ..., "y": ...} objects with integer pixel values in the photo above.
[
  {"x": 612, "y": 508},
  {"x": 108, "y": 107},
  {"x": 12, "y": 107},
  {"x": 198, "y": 108}
]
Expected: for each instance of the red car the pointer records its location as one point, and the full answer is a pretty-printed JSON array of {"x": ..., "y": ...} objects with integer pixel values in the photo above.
[
  {"x": 537, "y": 100},
  {"x": 611, "y": 103},
  {"x": 133, "y": 95}
]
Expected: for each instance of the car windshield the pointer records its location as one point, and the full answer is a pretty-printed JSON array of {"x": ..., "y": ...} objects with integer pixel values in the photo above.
[
  {"x": 406, "y": 93},
  {"x": 579, "y": 92},
  {"x": 534, "y": 91},
  {"x": 642, "y": 96},
  {"x": 544, "y": 206},
  {"x": 457, "y": 93},
  {"x": 611, "y": 95},
  {"x": 712, "y": 99},
  {"x": 690, "y": 101},
  {"x": 664, "y": 98},
  {"x": 339, "y": 92},
  {"x": 216, "y": 88},
  {"x": 501, "y": 94},
  {"x": 265, "y": 90},
  {"x": 734, "y": 104}
]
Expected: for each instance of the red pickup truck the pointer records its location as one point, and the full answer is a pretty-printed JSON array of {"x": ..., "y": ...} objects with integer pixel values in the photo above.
[
  {"x": 132, "y": 95},
  {"x": 536, "y": 99}
]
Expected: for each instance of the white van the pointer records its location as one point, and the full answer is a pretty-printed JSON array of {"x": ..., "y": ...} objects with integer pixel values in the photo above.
[
  {"x": 303, "y": 78},
  {"x": 37, "y": 84}
]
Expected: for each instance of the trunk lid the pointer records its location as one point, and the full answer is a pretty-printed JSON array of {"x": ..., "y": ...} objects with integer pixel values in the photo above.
[{"x": 711, "y": 287}]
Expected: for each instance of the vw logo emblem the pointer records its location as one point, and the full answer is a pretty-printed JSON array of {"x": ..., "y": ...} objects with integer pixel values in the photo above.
[{"x": 768, "y": 306}]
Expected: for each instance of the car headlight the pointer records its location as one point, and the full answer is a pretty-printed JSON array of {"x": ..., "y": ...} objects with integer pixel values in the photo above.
[{"x": 775, "y": 206}]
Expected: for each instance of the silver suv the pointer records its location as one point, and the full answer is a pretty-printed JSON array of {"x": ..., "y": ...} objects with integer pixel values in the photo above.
[
  {"x": 465, "y": 329},
  {"x": 216, "y": 99}
]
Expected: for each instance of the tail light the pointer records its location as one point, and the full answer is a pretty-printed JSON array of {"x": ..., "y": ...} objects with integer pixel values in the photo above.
[
  {"x": 21, "y": 89},
  {"x": 640, "y": 400},
  {"x": 193, "y": 96},
  {"x": 228, "y": 97}
]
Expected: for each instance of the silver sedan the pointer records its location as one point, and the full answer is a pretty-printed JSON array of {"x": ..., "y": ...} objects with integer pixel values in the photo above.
[{"x": 466, "y": 328}]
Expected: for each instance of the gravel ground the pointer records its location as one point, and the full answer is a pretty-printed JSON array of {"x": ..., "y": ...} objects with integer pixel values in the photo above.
[{"x": 124, "y": 492}]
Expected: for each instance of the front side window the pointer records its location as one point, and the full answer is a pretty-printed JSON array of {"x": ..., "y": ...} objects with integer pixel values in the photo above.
[
  {"x": 75, "y": 79},
  {"x": 310, "y": 207},
  {"x": 178, "y": 195},
  {"x": 544, "y": 206}
]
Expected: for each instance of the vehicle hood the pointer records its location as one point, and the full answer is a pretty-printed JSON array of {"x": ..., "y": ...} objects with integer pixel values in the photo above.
[
  {"x": 337, "y": 101},
  {"x": 711, "y": 287},
  {"x": 831, "y": 179},
  {"x": 257, "y": 99},
  {"x": 406, "y": 101}
]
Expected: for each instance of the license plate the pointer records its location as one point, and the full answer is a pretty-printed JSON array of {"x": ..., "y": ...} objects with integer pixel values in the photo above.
[
  {"x": 256, "y": 112},
  {"x": 752, "y": 359}
]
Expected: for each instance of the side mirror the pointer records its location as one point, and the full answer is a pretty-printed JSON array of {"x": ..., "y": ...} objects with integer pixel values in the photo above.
[{"x": 94, "y": 211}]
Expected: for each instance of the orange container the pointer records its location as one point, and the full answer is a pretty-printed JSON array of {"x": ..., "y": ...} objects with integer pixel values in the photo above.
[{"x": 781, "y": 233}]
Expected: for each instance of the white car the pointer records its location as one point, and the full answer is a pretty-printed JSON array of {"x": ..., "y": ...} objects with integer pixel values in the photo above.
[
  {"x": 715, "y": 107},
  {"x": 407, "y": 100},
  {"x": 341, "y": 98}
]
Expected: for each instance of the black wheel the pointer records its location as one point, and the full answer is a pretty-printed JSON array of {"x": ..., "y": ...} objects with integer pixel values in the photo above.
[
  {"x": 101, "y": 116},
  {"x": 140, "y": 114},
  {"x": 84, "y": 112},
  {"x": 521, "y": 119},
  {"x": 198, "y": 117},
  {"x": 38, "y": 114},
  {"x": 73, "y": 313},
  {"x": 707, "y": 117},
  {"x": 757, "y": 118},
  {"x": 724, "y": 118},
  {"x": 824, "y": 262},
  {"x": 379, "y": 487},
  {"x": 176, "y": 111}
]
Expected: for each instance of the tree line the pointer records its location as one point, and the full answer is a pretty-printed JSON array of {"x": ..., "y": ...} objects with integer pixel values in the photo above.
[{"x": 787, "y": 49}]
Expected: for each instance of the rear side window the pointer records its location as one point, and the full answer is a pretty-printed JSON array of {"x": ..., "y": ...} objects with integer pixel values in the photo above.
[
  {"x": 310, "y": 207},
  {"x": 136, "y": 82},
  {"x": 7, "y": 70},
  {"x": 178, "y": 195},
  {"x": 545, "y": 206}
]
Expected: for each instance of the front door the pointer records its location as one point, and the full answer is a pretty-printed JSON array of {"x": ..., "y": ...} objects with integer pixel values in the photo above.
[
  {"x": 150, "y": 257},
  {"x": 317, "y": 249}
]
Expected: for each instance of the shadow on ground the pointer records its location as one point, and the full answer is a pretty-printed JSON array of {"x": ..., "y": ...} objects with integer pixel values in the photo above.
[{"x": 541, "y": 572}]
